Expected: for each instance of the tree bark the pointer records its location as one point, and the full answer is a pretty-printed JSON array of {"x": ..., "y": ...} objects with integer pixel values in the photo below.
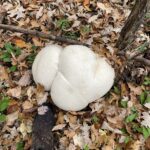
[{"x": 133, "y": 22}]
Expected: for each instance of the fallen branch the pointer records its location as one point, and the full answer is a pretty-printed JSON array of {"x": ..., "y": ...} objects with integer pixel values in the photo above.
[
  {"x": 41, "y": 34},
  {"x": 143, "y": 60}
]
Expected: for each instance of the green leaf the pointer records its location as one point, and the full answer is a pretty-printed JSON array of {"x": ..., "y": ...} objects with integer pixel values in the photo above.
[
  {"x": 86, "y": 147},
  {"x": 34, "y": 47},
  {"x": 72, "y": 35},
  {"x": 20, "y": 145},
  {"x": 4, "y": 103},
  {"x": 116, "y": 90},
  {"x": 63, "y": 24},
  {"x": 85, "y": 29},
  {"x": 2, "y": 117},
  {"x": 17, "y": 51},
  {"x": 146, "y": 132},
  {"x": 143, "y": 97},
  {"x": 31, "y": 57},
  {"x": 147, "y": 99},
  {"x": 131, "y": 117},
  {"x": 123, "y": 130},
  {"x": 5, "y": 57},
  {"x": 124, "y": 104},
  {"x": 143, "y": 47},
  {"x": 9, "y": 47},
  {"x": 95, "y": 119},
  {"x": 127, "y": 139},
  {"x": 146, "y": 81},
  {"x": 12, "y": 68}
]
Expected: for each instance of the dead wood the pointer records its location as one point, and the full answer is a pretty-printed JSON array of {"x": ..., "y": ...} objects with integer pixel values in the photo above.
[
  {"x": 132, "y": 24},
  {"x": 143, "y": 60},
  {"x": 41, "y": 34}
]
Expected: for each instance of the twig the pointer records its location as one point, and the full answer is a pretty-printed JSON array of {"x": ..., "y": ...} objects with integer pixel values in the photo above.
[
  {"x": 31, "y": 110},
  {"x": 41, "y": 34},
  {"x": 143, "y": 60}
]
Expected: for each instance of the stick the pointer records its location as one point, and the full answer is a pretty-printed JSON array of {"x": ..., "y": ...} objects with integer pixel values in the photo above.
[
  {"x": 143, "y": 60},
  {"x": 133, "y": 23},
  {"x": 41, "y": 34}
]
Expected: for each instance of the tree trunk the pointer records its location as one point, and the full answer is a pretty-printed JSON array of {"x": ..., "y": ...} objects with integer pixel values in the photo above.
[{"x": 133, "y": 22}]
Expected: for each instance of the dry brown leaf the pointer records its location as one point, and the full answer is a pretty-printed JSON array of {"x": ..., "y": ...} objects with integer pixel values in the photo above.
[
  {"x": 147, "y": 143},
  {"x": 58, "y": 127},
  {"x": 13, "y": 106},
  {"x": 137, "y": 90},
  {"x": 86, "y": 3},
  {"x": 37, "y": 41},
  {"x": 71, "y": 118},
  {"x": 19, "y": 42},
  {"x": 25, "y": 79},
  {"x": 15, "y": 92},
  {"x": 34, "y": 24},
  {"x": 27, "y": 105},
  {"x": 60, "y": 118},
  {"x": 11, "y": 118},
  {"x": 69, "y": 134},
  {"x": 3, "y": 73}
]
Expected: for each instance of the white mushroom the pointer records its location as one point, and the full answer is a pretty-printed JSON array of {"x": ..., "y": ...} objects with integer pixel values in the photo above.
[
  {"x": 76, "y": 78},
  {"x": 45, "y": 65}
]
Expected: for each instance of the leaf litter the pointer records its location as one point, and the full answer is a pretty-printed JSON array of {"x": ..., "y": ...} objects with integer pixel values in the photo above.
[{"x": 119, "y": 120}]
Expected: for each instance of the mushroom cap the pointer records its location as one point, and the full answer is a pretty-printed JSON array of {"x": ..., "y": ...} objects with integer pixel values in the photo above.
[
  {"x": 45, "y": 65},
  {"x": 83, "y": 77}
]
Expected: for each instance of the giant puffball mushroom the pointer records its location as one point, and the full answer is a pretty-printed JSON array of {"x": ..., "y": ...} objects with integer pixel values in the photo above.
[
  {"x": 45, "y": 65},
  {"x": 81, "y": 76}
]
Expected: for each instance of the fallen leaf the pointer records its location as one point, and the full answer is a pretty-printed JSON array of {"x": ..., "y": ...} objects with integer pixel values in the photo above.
[
  {"x": 20, "y": 43},
  {"x": 11, "y": 118},
  {"x": 37, "y": 41},
  {"x": 25, "y": 79},
  {"x": 27, "y": 105},
  {"x": 15, "y": 92},
  {"x": 78, "y": 140},
  {"x": 39, "y": 13},
  {"x": 18, "y": 12},
  {"x": 86, "y": 3},
  {"x": 58, "y": 127},
  {"x": 3, "y": 73}
]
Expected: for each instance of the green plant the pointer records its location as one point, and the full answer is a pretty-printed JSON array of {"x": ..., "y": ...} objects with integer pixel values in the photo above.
[
  {"x": 20, "y": 145},
  {"x": 127, "y": 139},
  {"x": 86, "y": 147},
  {"x": 13, "y": 68},
  {"x": 9, "y": 50},
  {"x": 72, "y": 35},
  {"x": 85, "y": 29},
  {"x": 4, "y": 103},
  {"x": 116, "y": 90},
  {"x": 143, "y": 47},
  {"x": 144, "y": 130},
  {"x": 144, "y": 97},
  {"x": 63, "y": 24},
  {"x": 124, "y": 103},
  {"x": 30, "y": 58},
  {"x": 95, "y": 119},
  {"x": 146, "y": 81},
  {"x": 132, "y": 116}
]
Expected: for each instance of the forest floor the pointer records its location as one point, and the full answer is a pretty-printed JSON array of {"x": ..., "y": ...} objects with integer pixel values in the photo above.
[{"x": 118, "y": 121}]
